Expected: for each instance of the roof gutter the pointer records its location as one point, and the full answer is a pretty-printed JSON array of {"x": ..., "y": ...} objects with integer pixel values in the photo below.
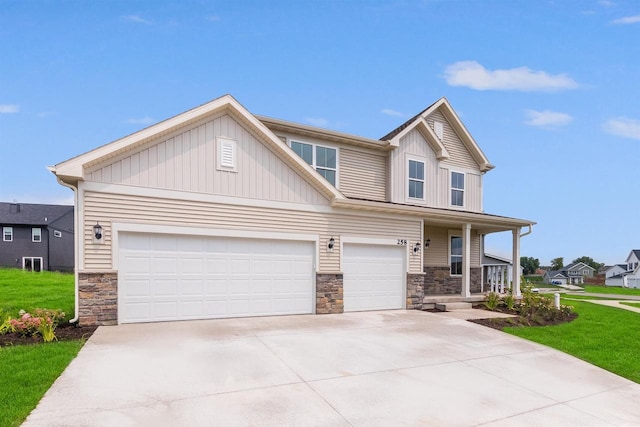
[
  {"x": 76, "y": 252},
  {"x": 528, "y": 232}
]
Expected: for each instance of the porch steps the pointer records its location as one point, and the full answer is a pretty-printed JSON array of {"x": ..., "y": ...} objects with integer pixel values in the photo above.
[{"x": 449, "y": 306}]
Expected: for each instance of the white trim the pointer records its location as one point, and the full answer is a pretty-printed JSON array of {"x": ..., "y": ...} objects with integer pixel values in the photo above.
[
  {"x": 4, "y": 230},
  {"x": 57, "y": 233},
  {"x": 33, "y": 234},
  {"x": 134, "y": 227},
  {"x": 24, "y": 258},
  {"x": 419, "y": 159},
  {"x": 450, "y": 234}
]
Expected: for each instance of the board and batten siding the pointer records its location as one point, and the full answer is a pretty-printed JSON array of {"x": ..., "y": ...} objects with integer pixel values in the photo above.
[
  {"x": 107, "y": 208},
  {"x": 414, "y": 146},
  {"x": 459, "y": 155},
  {"x": 472, "y": 190},
  {"x": 437, "y": 255},
  {"x": 187, "y": 161},
  {"x": 363, "y": 174}
]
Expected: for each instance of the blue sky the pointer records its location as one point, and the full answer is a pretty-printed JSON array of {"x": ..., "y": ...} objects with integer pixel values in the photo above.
[{"x": 549, "y": 89}]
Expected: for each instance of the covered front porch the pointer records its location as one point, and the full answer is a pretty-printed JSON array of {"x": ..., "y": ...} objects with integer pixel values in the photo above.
[{"x": 454, "y": 263}]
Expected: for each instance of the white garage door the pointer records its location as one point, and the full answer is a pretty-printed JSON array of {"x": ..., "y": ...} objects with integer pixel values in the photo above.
[
  {"x": 170, "y": 277},
  {"x": 374, "y": 277}
]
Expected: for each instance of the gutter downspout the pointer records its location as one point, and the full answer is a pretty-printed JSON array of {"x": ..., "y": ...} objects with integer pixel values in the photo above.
[
  {"x": 76, "y": 253},
  {"x": 528, "y": 232}
]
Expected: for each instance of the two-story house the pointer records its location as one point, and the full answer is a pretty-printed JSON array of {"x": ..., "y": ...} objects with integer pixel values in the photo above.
[
  {"x": 37, "y": 237},
  {"x": 572, "y": 274},
  {"x": 217, "y": 212},
  {"x": 626, "y": 275}
]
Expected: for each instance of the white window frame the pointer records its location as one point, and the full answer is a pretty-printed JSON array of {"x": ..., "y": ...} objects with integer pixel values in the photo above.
[
  {"x": 451, "y": 189},
  {"x": 226, "y": 145},
  {"x": 450, "y": 255},
  {"x": 36, "y": 234},
  {"x": 32, "y": 258},
  {"x": 7, "y": 234},
  {"x": 313, "y": 164},
  {"x": 424, "y": 178},
  {"x": 57, "y": 233}
]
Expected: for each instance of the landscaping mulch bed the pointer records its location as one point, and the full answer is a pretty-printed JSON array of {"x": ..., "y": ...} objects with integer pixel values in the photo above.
[
  {"x": 500, "y": 323},
  {"x": 65, "y": 332}
]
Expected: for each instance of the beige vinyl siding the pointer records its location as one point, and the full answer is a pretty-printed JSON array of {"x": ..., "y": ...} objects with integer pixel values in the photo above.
[
  {"x": 437, "y": 255},
  {"x": 413, "y": 145},
  {"x": 108, "y": 208},
  {"x": 459, "y": 155},
  {"x": 363, "y": 174},
  {"x": 187, "y": 160},
  {"x": 472, "y": 190}
]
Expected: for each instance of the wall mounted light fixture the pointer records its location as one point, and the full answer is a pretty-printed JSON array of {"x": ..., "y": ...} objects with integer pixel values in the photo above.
[
  {"x": 97, "y": 231},
  {"x": 416, "y": 248},
  {"x": 427, "y": 243},
  {"x": 330, "y": 244}
]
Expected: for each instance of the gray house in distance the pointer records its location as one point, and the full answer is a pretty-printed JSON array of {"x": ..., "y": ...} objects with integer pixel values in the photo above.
[{"x": 37, "y": 237}]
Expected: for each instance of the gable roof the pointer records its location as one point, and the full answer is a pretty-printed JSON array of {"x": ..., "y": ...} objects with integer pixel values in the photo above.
[
  {"x": 31, "y": 214},
  {"x": 577, "y": 264},
  {"x": 72, "y": 170},
  {"x": 418, "y": 121}
]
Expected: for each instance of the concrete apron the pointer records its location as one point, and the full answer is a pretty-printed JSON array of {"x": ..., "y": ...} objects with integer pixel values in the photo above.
[{"x": 386, "y": 368}]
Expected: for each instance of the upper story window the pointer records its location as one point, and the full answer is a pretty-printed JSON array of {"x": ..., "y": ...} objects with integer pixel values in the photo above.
[
  {"x": 36, "y": 234},
  {"x": 457, "y": 189},
  {"x": 7, "y": 234},
  {"x": 456, "y": 255},
  {"x": 416, "y": 179},
  {"x": 323, "y": 159}
]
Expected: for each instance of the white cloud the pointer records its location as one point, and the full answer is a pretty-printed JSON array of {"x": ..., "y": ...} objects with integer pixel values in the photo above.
[
  {"x": 9, "y": 108},
  {"x": 212, "y": 18},
  {"x": 141, "y": 121},
  {"x": 317, "y": 121},
  {"x": 137, "y": 19},
  {"x": 475, "y": 76},
  {"x": 606, "y": 3},
  {"x": 546, "y": 118},
  {"x": 627, "y": 20},
  {"x": 624, "y": 127},
  {"x": 390, "y": 112}
]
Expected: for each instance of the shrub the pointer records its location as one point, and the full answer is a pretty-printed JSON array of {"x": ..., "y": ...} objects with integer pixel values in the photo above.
[
  {"x": 493, "y": 300},
  {"x": 510, "y": 300},
  {"x": 42, "y": 321}
]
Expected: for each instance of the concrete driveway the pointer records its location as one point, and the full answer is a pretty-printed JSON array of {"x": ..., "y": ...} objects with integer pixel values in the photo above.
[{"x": 363, "y": 369}]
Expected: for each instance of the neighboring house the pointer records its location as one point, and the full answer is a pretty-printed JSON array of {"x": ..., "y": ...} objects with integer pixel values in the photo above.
[
  {"x": 572, "y": 274},
  {"x": 37, "y": 237},
  {"x": 625, "y": 275},
  {"x": 497, "y": 273},
  {"x": 217, "y": 212}
]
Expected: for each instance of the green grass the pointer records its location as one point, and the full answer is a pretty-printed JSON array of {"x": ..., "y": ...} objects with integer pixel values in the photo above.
[
  {"x": 27, "y": 371},
  {"x": 611, "y": 290},
  {"x": 578, "y": 296},
  {"x": 607, "y": 337},
  {"x": 632, "y": 304},
  {"x": 27, "y": 290}
]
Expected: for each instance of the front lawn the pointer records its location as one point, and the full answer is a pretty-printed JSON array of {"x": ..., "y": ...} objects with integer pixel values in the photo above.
[
  {"x": 611, "y": 290},
  {"x": 607, "y": 337},
  {"x": 632, "y": 304},
  {"x": 27, "y": 371}
]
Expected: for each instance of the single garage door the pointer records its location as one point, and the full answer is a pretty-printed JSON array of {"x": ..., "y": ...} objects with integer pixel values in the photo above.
[
  {"x": 171, "y": 277},
  {"x": 374, "y": 277}
]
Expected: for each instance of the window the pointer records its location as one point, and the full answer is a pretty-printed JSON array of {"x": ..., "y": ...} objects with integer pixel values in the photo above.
[
  {"x": 457, "y": 189},
  {"x": 416, "y": 179},
  {"x": 7, "y": 234},
  {"x": 36, "y": 234},
  {"x": 456, "y": 255},
  {"x": 32, "y": 263},
  {"x": 57, "y": 234},
  {"x": 322, "y": 159}
]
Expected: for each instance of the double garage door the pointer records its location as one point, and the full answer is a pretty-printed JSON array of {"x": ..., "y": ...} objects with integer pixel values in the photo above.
[{"x": 171, "y": 277}]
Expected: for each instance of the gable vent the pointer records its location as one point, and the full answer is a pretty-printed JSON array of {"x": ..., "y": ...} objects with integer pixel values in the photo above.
[
  {"x": 226, "y": 154},
  {"x": 438, "y": 128}
]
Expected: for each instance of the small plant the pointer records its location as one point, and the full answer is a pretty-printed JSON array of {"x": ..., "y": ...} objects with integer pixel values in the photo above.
[
  {"x": 49, "y": 320},
  {"x": 510, "y": 300},
  {"x": 42, "y": 321},
  {"x": 493, "y": 300}
]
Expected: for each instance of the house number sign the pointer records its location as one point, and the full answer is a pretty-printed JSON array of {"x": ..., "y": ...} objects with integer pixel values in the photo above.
[{"x": 402, "y": 242}]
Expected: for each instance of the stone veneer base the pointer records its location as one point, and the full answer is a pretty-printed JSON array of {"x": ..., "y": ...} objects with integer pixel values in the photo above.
[
  {"x": 329, "y": 293},
  {"x": 438, "y": 281},
  {"x": 98, "y": 298}
]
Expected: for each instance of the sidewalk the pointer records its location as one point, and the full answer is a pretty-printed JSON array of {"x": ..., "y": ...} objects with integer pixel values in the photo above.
[{"x": 609, "y": 303}]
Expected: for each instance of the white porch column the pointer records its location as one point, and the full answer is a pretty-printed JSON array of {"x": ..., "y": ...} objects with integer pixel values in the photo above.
[
  {"x": 466, "y": 260},
  {"x": 516, "y": 262}
]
